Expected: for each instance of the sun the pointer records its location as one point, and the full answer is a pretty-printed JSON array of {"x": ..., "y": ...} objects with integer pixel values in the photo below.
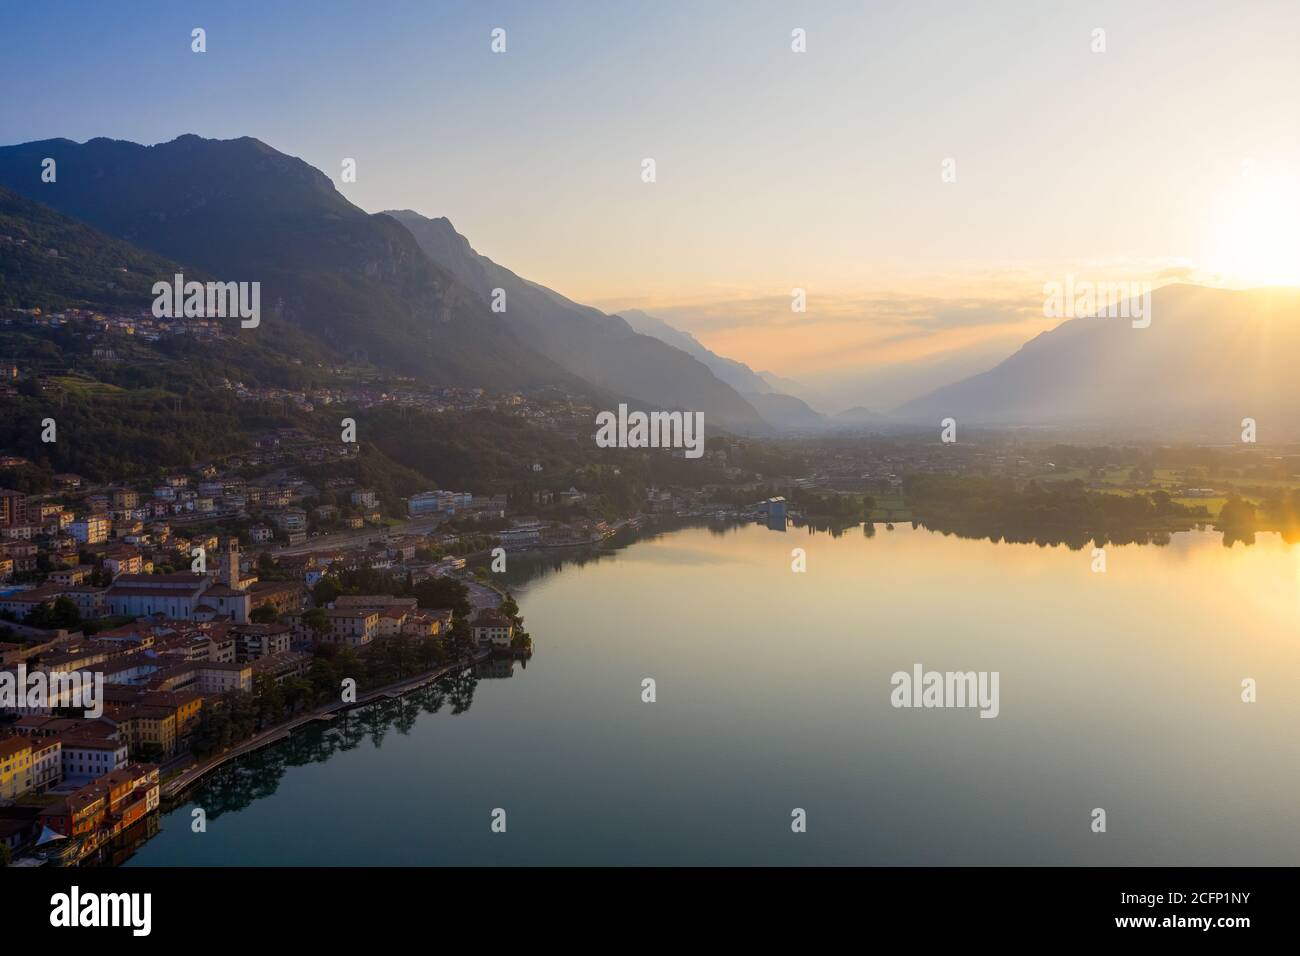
[{"x": 1256, "y": 240}]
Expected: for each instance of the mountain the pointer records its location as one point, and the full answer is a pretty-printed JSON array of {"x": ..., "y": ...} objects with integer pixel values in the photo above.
[
  {"x": 785, "y": 411},
  {"x": 48, "y": 260},
  {"x": 773, "y": 397},
  {"x": 810, "y": 396},
  {"x": 601, "y": 349},
  {"x": 858, "y": 416},
  {"x": 1209, "y": 358},
  {"x": 736, "y": 374},
  {"x": 242, "y": 211}
]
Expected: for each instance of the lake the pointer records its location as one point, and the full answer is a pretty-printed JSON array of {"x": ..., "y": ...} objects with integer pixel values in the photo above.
[{"x": 1119, "y": 690}]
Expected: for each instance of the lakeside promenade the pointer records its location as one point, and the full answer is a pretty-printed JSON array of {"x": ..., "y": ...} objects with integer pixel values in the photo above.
[{"x": 173, "y": 788}]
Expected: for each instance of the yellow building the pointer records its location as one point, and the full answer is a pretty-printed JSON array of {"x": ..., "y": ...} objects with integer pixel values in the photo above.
[
  {"x": 146, "y": 727},
  {"x": 15, "y": 767}
]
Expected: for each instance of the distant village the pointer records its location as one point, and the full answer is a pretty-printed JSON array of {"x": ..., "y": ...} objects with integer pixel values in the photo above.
[{"x": 111, "y": 335}]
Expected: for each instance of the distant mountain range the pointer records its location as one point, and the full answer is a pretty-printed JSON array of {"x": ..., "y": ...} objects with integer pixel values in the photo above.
[
  {"x": 411, "y": 295},
  {"x": 1209, "y": 358},
  {"x": 601, "y": 349},
  {"x": 402, "y": 291},
  {"x": 776, "y": 399}
]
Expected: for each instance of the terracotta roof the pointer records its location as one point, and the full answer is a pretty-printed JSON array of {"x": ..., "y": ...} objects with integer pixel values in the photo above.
[{"x": 11, "y": 746}]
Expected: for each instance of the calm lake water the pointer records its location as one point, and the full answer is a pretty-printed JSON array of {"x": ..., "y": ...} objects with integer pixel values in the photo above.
[{"x": 1119, "y": 690}]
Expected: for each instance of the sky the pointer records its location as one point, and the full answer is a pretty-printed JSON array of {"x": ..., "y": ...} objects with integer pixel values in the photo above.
[{"x": 1172, "y": 154}]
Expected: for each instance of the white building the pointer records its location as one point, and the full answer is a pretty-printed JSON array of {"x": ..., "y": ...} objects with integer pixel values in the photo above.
[
  {"x": 86, "y": 757},
  {"x": 92, "y": 529},
  {"x": 493, "y": 627},
  {"x": 178, "y": 596}
]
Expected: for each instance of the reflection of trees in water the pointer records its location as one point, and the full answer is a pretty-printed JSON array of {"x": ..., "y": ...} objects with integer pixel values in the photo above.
[
  {"x": 835, "y": 528},
  {"x": 523, "y": 568},
  {"x": 460, "y": 692},
  {"x": 1048, "y": 533},
  {"x": 717, "y": 527},
  {"x": 528, "y": 566},
  {"x": 250, "y": 778},
  {"x": 1232, "y": 536},
  {"x": 1074, "y": 539}
]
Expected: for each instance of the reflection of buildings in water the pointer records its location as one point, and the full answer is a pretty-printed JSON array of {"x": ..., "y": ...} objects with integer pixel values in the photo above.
[
  {"x": 253, "y": 776},
  {"x": 774, "y": 509},
  {"x": 124, "y": 846},
  {"x": 113, "y": 853},
  {"x": 497, "y": 667}
]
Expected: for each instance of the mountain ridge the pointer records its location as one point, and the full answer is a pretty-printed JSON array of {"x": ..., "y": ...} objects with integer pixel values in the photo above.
[
  {"x": 1209, "y": 356},
  {"x": 241, "y": 210},
  {"x": 599, "y": 348}
]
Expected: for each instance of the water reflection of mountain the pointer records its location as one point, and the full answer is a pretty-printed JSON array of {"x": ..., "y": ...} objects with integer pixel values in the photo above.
[{"x": 248, "y": 779}]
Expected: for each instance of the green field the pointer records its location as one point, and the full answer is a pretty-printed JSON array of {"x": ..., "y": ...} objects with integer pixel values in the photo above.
[{"x": 86, "y": 387}]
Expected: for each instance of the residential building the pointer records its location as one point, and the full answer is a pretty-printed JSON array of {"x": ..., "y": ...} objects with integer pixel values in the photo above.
[
  {"x": 90, "y": 529},
  {"x": 351, "y": 627},
  {"x": 491, "y": 627},
  {"x": 290, "y": 519},
  {"x": 254, "y": 641},
  {"x": 15, "y": 767},
  {"x": 13, "y": 508},
  {"x": 285, "y": 596},
  {"x": 364, "y": 498},
  {"x": 87, "y": 754},
  {"x": 47, "y": 763}
]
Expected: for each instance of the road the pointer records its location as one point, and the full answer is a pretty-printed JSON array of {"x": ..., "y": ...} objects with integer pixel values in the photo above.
[
  {"x": 359, "y": 539},
  {"x": 262, "y": 738}
]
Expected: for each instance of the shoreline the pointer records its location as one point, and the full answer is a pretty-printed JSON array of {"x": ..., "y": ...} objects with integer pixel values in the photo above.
[{"x": 171, "y": 791}]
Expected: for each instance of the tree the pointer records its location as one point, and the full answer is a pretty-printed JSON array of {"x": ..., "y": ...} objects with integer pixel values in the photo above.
[
  {"x": 1237, "y": 515},
  {"x": 510, "y": 609},
  {"x": 267, "y": 569},
  {"x": 297, "y": 692},
  {"x": 461, "y": 637},
  {"x": 324, "y": 678},
  {"x": 269, "y": 699},
  {"x": 325, "y": 591},
  {"x": 61, "y": 614},
  {"x": 264, "y": 614},
  {"x": 316, "y": 620},
  {"x": 348, "y": 664},
  {"x": 443, "y": 592}
]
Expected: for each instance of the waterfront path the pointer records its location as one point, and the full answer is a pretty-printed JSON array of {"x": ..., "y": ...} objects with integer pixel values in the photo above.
[{"x": 264, "y": 738}]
